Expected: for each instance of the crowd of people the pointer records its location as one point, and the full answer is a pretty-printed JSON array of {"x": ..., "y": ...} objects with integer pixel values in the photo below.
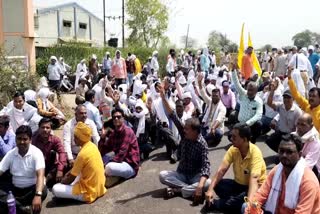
[{"x": 125, "y": 110}]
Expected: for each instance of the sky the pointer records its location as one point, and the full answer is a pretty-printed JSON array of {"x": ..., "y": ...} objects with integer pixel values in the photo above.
[{"x": 272, "y": 22}]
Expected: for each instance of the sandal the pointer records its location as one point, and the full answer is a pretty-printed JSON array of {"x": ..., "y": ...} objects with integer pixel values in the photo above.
[{"x": 169, "y": 193}]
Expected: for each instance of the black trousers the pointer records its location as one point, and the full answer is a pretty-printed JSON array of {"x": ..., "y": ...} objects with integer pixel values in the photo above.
[
  {"x": 165, "y": 135},
  {"x": 23, "y": 196},
  {"x": 231, "y": 196},
  {"x": 274, "y": 140}
]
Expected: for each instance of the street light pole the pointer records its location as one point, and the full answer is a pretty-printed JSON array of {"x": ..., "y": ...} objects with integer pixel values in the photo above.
[
  {"x": 123, "y": 23},
  {"x": 104, "y": 23}
]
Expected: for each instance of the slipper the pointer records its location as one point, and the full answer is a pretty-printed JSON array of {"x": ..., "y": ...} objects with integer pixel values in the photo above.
[{"x": 169, "y": 193}]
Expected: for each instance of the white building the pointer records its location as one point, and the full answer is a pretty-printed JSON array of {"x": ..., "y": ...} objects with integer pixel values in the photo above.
[{"x": 67, "y": 22}]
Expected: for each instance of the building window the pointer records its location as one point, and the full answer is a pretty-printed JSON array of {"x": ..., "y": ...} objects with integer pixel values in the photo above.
[
  {"x": 82, "y": 26},
  {"x": 36, "y": 21},
  {"x": 66, "y": 23}
]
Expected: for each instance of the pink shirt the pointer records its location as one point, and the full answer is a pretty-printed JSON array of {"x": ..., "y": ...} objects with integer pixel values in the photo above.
[
  {"x": 119, "y": 69},
  {"x": 311, "y": 148},
  {"x": 229, "y": 99}
]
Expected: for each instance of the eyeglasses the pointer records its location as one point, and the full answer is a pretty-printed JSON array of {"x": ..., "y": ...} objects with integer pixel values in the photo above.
[{"x": 117, "y": 117}]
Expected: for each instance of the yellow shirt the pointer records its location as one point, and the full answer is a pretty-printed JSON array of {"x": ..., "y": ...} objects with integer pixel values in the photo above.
[
  {"x": 252, "y": 164},
  {"x": 92, "y": 179},
  {"x": 304, "y": 104}
]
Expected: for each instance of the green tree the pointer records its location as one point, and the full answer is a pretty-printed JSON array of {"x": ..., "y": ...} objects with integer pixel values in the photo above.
[
  {"x": 148, "y": 21},
  {"x": 305, "y": 38},
  {"x": 218, "y": 41}
]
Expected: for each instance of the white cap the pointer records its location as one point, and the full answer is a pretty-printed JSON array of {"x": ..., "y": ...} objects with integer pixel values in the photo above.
[
  {"x": 186, "y": 95},
  {"x": 94, "y": 56},
  {"x": 53, "y": 57},
  {"x": 311, "y": 47},
  {"x": 182, "y": 80},
  {"x": 209, "y": 88}
]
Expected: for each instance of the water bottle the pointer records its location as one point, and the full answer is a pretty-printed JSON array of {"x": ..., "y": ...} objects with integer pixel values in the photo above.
[{"x": 11, "y": 203}]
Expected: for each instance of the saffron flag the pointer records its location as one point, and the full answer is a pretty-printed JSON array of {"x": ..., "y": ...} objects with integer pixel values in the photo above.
[
  {"x": 241, "y": 47},
  {"x": 255, "y": 61}
]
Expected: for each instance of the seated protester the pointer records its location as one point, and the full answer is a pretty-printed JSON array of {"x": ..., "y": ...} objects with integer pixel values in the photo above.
[
  {"x": 70, "y": 147},
  {"x": 141, "y": 128},
  {"x": 85, "y": 182},
  {"x": 249, "y": 173},
  {"x": 165, "y": 126},
  {"x": 228, "y": 98},
  {"x": 47, "y": 109},
  {"x": 285, "y": 122},
  {"x": 191, "y": 177},
  {"x": 92, "y": 111},
  {"x": 81, "y": 90},
  {"x": 7, "y": 136},
  {"x": 310, "y": 142},
  {"x": 53, "y": 152},
  {"x": 310, "y": 105},
  {"x": 213, "y": 120},
  {"x": 251, "y": 106},
  {"x": 270, "y": 113},
  {"x": 184, "y": 95},
  {"x": 26, "y": 165},
  {"x": 123, "y": 142},
  {"x": 30, "y": 97},
  {"x": 21, "y": 113},
  {"x": 291, "y": 187},
  {"x": 107, "y": 102}
]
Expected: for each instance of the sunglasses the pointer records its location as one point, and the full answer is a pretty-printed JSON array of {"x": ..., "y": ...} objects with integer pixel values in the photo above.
[{"x": 117, "y": 117}]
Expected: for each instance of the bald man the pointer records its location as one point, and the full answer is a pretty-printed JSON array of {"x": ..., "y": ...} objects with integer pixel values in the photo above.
[{"x": 311, "y": 142}]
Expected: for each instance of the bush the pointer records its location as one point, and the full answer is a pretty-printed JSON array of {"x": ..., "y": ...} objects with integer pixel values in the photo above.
[
  {"x": 14, "y": 76},
  {"x": 73, "y": 53}
]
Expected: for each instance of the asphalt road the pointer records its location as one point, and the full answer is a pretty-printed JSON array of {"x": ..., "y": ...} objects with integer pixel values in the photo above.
[{"x": 144, "y": 194}]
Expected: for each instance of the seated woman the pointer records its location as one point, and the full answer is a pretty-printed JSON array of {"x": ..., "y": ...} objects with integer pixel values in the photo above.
[
  {"x": 141, "y": 128},
  {"x": 47, "y": 109}
]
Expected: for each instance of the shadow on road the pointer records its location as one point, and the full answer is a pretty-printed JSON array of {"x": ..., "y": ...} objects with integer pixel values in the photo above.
[
  {"x": 62, "y": 203},
  {"x": 159, "y": 193}
]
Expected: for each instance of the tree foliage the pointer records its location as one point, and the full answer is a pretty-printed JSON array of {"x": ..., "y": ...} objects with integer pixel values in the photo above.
[
  {"x": 148, "y": 21},
  {"x": 266, "y": 47},
  {"x": 305, "y": 38},
  {"x": 218, "y": 41}
]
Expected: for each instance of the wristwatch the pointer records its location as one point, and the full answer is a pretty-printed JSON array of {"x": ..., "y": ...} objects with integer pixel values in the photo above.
[{"x": 39, "y": 193}]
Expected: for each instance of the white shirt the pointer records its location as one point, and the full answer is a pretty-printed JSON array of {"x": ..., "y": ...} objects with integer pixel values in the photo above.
[
  {"x": 155, "y": 64},
  {"x": 54, "y": 71},
  {"x": 23, "y": 169},
  {"x": 303, "y": 63},
  {"x": 68, "y": 136},
  {"x": 93, "y": 114},
  {"x": 170, "y": 65},
  {"x": 97, "y": 96}
]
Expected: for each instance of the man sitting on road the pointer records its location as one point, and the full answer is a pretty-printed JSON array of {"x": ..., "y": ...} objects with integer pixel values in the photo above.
[
  {"x": 312, "y": 105},
  {"x": 53, "y": 152},
  {"x": 249, "y": 173},
  {"x": 85, "y": 182},
  {"x": 191, "y": 177},
  {"x": 291, "y": 187},
  {"x": 311, "y": 143},
  {"x": 7, "y": 136},
  {"x": 70, "y": 147},
  {"x": 286, "y": 120},
  {"x": 251, "y": 106},
  {"x": 213, "y": 120},
  {"x": 123, "y": 142},
  {"x": 26, "y": 165}
]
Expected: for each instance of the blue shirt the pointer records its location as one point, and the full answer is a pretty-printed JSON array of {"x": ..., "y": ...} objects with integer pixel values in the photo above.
[
  {"x": 313, "y": 58},
  {"x": 7, "y": 143}
]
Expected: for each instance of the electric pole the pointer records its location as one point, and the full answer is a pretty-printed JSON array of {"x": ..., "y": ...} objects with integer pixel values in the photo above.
[
  {"x": 187, "y": 37},
  {"x": 123, "y": 23},
  {"x": 104, "y": 22}
]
